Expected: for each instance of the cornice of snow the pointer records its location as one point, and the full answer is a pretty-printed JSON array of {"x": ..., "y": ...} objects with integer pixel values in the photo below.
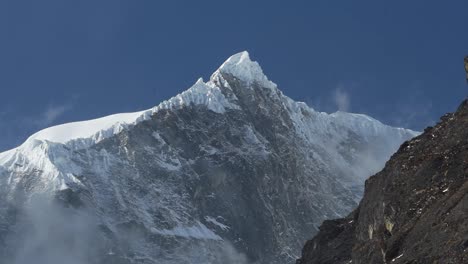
[{"x": 95, "y": 129}]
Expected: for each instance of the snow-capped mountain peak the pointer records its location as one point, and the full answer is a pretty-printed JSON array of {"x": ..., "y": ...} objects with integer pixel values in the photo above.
[
  {"x": 201, "y": 93},
  {"x": 230, "y": 163},
  {"x": 84, "y": 133},
  {"x": 243, "y": 68}
]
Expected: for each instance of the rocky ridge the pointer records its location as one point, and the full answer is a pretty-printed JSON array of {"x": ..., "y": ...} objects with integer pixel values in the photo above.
[{"x": 413, "y": 211}]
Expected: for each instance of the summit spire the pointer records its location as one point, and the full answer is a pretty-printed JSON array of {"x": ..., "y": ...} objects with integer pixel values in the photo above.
[{"x": 243, "y": 68}]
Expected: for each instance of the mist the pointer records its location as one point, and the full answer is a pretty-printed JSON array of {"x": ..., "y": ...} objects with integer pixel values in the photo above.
[{"x": 46, "y": 232}]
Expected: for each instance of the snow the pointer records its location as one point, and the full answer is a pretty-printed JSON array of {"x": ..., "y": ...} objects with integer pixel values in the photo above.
[
  {"x": 6, "y": 157},
  {"x": 98, "y": 128},
  {"x": 39, "y": 150},
  {"x": 215, "y": 222},
  {"x": 329, "y": 131},
  {"x": 240, "y": 66},
  {"x": 365, "y": 125},
  {"x": 85, "y": 133},
  {"x": 393, "y": 260},
  {"x": 199, "y": 231},
  {"x": 48, "y": 156},
  {"x": 93, "y": 131},
  {"x": 51, "y": 159},
  {"x": 200, "y": 93},
  {"x": 250, "y": 136}
]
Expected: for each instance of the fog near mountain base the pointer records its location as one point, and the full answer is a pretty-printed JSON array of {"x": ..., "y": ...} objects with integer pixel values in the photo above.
[
  {"x": 232, "y": 256},
  {"x": 48, "y": 233},
  {"x": 370, "y": 163},
  {"x": 367, "y": 162}
]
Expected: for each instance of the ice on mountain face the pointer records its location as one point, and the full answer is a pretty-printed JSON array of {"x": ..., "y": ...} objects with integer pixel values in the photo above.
[
  {"x": 98, "y": 129},
  {"x": 200, "y": 93},
  {"x": 85, "y": 133},
  {"x": 313, "y": 126},
  {"x": 216, "y": 223},
  {"x": 365, "y": 125},
  {"x": 51, "y": 159},
  {"x": 199, "y": 231},
  {"x": 241, "y": 67}
]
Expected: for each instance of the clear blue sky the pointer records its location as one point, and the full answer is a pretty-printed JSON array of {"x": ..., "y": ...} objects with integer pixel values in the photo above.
[{"x": 63, "y": 60}]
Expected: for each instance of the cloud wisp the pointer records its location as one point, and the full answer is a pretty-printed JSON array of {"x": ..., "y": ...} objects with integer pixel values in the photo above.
[
  {"x": 337, "y": 99},
  {"x": 342, "y": 99},
  {"x": 17, "y": 126},
  {"x": 51, "y": 114}
]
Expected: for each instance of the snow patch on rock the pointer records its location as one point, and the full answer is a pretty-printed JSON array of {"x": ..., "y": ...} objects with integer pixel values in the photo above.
[
  {"x": 200, "y": 93},
  {"x": 198, "y": 231}
]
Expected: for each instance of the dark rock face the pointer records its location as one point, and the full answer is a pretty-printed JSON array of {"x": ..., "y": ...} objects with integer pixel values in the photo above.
[
  {"x": 414, "y": 211},
  {"x": 334, "y": 242}
]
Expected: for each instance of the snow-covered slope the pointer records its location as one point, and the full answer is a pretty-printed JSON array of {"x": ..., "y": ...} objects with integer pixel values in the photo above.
[
  {"x": 203, "y": 93},
  {"x": 230, "y": 170}
]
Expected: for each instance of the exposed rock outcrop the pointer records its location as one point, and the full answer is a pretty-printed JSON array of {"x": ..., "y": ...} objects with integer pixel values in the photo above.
[{"x": 414, "y": 211}]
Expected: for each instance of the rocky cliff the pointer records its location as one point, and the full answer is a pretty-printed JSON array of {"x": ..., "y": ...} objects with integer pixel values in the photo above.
[{"x": 414, "y": 211}]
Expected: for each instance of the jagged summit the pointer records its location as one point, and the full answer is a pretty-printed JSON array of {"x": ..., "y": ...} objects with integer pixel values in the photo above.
[
  {"x": 200, "y": 93},
  {"x": 237, "y": 59},
  {"x": 216, "y": 94},
  {"x": 89, "y": 132},
  {"x": 243, "y": 68}
]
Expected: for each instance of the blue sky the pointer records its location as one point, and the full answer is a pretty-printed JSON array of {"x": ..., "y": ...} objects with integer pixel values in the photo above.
[{"x": 63, "y": 60}]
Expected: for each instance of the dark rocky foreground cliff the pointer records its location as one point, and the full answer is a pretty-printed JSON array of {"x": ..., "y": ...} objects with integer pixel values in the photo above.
[{"x": 414, "y": 211}]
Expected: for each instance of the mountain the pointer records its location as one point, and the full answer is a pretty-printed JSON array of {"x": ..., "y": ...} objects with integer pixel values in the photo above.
[
  {"x": 229, "y": 171},
  {"x": 413, "y": 211}
]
